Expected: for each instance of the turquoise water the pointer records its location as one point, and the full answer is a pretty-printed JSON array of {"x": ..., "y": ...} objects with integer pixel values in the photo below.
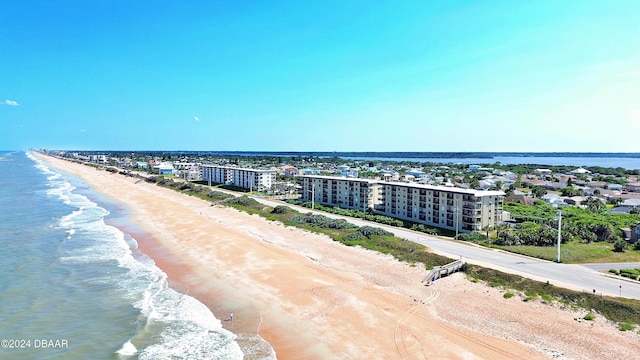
[{"x": 74, "y": 287}]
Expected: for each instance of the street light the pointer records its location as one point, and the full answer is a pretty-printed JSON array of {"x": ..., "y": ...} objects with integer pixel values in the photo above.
[{"x": 559, "y": 232}]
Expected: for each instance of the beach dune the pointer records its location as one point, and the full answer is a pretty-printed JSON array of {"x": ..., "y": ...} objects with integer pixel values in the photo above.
[{"x": 312, "y": 298}]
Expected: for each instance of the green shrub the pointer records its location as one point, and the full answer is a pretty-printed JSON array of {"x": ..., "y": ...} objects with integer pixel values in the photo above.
[
  {"x": 369, "y": 231},
  {"x": 322, "y": 221},
  {"x": 244, "y": 201},
  {"x": 620, "y": 245},
  {"x": 474, "y": 236},
  {"x": 589, "y": 317},
  {"x": 547, "y": 298},
  {"x": 508, "y": 295},
  {"x": 281, "y": 209},
  {"x": 625, "y": 327},
  {"x": 354, "y": 236}
]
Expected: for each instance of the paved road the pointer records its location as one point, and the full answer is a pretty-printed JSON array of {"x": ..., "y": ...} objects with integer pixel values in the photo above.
[{"x": 585, "y": 278}]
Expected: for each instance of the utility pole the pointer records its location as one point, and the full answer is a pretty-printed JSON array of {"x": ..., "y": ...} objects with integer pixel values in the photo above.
[{"x": 559, "y": 232}]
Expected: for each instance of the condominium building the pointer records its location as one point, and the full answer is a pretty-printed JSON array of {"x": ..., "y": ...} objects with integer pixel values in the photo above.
[
  {"x": 260, "y": 180},
  {"x": 351, "y": 193},
  {"x": 214, "y": 174},
  {"x": 442, "y": 206},
  {"x": 445, "y": 207},
  {"x": 253, "y": 179}
]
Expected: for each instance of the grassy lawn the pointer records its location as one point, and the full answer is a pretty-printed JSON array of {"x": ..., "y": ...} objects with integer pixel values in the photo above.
[{"x": 577, "y": 253}]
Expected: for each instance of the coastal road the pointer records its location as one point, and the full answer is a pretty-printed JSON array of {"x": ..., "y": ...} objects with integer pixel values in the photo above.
[{"x": 586, "y": 278}]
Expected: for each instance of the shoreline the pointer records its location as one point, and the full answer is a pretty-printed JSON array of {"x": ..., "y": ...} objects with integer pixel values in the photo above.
[{"x": 312, "y": 298}]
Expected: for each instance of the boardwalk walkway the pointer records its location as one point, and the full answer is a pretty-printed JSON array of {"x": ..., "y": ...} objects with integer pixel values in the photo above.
[{"x": 439, "y": 271}]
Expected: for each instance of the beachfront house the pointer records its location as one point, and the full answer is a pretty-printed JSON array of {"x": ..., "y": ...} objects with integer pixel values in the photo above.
[{"x": 163, "y": 169}]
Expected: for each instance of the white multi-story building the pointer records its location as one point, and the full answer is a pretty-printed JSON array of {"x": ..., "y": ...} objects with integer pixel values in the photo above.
[
  {"x": 445, "y": 207},
  {"x": 99, "y": 159},
  {"x": 260, "y": 180},
  {"x": 215, "y": 174},
  {"x": 253, "y": 179},
  {"x": 442, "y": 206},
  {"x": 351, "y": 193}
]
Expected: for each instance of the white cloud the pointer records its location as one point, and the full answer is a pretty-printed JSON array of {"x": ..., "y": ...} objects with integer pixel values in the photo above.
[
  {"x": 11, "y": 102},
  {"x": 196, "y": 118}
]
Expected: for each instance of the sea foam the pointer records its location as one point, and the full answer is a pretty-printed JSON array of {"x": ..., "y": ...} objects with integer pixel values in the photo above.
[{"x": 170, "y": 324}]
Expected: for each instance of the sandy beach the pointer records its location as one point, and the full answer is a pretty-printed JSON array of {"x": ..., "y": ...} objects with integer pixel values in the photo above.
[{"x": 312, "y": 298}]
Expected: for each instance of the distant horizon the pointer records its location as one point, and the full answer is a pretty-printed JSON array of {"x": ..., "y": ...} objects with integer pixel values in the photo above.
[{"x": 515, "y": 153}]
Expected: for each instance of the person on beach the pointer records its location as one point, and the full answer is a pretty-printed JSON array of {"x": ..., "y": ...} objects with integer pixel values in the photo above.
[{"x": 231, "y": 317}]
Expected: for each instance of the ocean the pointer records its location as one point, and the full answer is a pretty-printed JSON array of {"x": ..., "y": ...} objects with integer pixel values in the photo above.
[{"x": 75, "y": 287}]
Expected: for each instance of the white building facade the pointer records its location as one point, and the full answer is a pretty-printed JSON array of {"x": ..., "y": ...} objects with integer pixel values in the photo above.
[
  {"x": 350, "y": 193},
  {"x": 451, "y": 208},
  {"x": 252, "y": 179}
]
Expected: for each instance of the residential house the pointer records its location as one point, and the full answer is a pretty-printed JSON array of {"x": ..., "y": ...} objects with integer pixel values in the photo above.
[
  {"x": 632, "y": 234},
  {"x": 522, "y": 199},
  {"x": 633, "y": 187},
  {"x": 615, "y": 187},
  {"x": 631, "y": 203},
  {"x": 289, "y": 170},
  {"x": 580, "y": 171},
  {"x": 163, "y": 169}
]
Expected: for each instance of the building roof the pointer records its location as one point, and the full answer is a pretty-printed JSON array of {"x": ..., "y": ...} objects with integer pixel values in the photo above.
[
  {"x": 520, "y": 199},
  {"x": 414, "y": 185}
]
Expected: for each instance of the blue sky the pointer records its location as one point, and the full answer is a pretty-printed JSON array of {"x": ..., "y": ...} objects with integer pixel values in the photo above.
[{"x": 320, "y": 75}]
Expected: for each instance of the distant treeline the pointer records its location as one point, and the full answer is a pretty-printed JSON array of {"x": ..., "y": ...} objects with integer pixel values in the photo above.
[{"x": 375, "y": 154}]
